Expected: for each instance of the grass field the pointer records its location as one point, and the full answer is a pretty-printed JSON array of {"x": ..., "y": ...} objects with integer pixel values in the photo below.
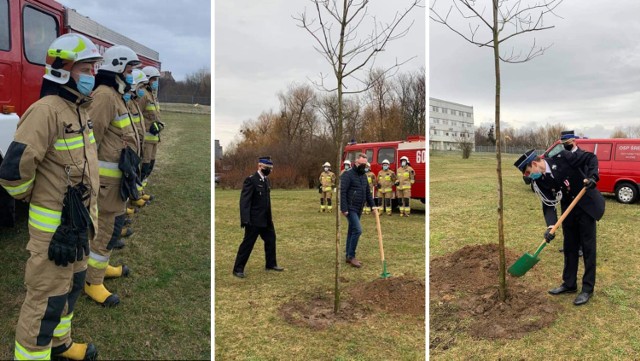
[
  {"x": 463, "y": 211},
  {"x": 247, "y": 323},
  {"x": 165, "y": 304}
]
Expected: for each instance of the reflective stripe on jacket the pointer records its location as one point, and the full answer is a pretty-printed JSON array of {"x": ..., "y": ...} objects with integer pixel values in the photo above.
[
  {"x": 327, "y": 180},
  {"x": 150, "y": 112},
  {"x": 406, "y": 176},
  {"x": 386, "y": 179}
]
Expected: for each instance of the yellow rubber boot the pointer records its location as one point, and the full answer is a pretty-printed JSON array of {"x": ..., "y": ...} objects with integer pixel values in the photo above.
[
  {"x": 78, "y": 351},
  {"x": 101, "y": 295},
  {"x": 147, "y": 197},
  {"x": 115, "y": 272},
  {"x": 130, "y": 211},
  {"x": 139, "y": 203}
]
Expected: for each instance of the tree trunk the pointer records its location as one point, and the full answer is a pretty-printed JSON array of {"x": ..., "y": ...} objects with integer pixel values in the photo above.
[
  {"x": 496, "y": 58},
  {"x": 340, "y": 68}
]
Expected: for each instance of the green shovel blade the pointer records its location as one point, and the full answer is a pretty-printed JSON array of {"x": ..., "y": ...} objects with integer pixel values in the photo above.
[{"x": 523, "y": 264}]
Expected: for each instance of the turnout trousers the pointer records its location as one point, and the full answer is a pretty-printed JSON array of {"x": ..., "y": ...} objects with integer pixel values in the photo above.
[
  {"x": 111, "y": 215},
  {"x": 44, "y": 324},
  {"x": 579, "y": 229},
  {"x": 251, "y": 233}
]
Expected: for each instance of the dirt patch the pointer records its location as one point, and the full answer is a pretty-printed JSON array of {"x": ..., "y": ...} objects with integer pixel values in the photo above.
[
  {"x": 400, "y": 295},
  {"x": 464, "y": 297}
]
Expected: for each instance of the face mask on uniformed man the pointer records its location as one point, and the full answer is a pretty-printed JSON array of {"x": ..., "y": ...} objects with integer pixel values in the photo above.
[
  {"x": 568, "y": 147},
  {"x": 85, "y": 84},
  {"x": 326, "y": 169},
  {"x": 346, "y": 166},
  {"x": 404, "y": 163},
  {"x": 266, "y": 171},
  {"x": 385, "y": 167},
  {"x": 366, "y": 170}
]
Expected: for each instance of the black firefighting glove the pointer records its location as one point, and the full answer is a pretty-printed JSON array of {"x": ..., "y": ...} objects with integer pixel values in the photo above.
[
  {"x": 245, "y": 224},
  {"x": 548, "y": 236},
  {"x": 156, "y": 127},
  {"x": 129, "y": 164},
  {"x": 62, "y": 248},
  {"x": 397, "y": 183},
  {"x": 590, "y": 183},
  {"x": 320, "y": 188}
]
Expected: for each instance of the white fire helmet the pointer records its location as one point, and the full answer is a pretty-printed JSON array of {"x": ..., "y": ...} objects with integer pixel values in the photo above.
[
  {"x": 117, "y": 57},
  {"x": 151, "y": 71},
  {"x": 139, "y": 77},
  {"x": 65, "y": 51},
  {"x": 386, "y": 161},
  {"x": 326, "y": 164}
]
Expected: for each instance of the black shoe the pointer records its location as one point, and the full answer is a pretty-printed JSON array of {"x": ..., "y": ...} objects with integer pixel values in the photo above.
[
  {"x": 239, "y": 274},
  {"x": 119, "y": 244},
  {"x": 275, "y": 268},
  {"x": 563, "y": 289},
  {"x": 582, "y": 298}
]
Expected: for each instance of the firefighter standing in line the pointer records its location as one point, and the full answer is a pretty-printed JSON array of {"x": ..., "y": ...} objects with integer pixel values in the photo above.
[
  {"x": 115, "y": 137},
  {"x": 140, "y": 81},
  {"x": 406, "y": 177},
  {"x": 53, "y": 164},
  {"x": 386, "y": 179},
  {"x": 151, "y": 111},
  {"x": 327, "y": 182},
  {"x": 371, "y": 179}
]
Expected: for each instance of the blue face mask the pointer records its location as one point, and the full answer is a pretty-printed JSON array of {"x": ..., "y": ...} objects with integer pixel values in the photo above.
[
  {"x": 404, "y": 163},
  {"x": 126, "y": 97},
  {"x": 535, "y": 176},
  {"x": 385, "y": 167},
  {"x": 366, "y": 170},
  {"x": 154, "y": 85},
  {"x": 85, "y": 84},
  {"x": 346, "y": 166},
  {"x": 128, "y": 79},
  {"x": 140, "y": 93}
]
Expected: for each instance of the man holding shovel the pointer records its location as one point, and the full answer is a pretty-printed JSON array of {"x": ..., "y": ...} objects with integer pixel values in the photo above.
[{"x": 560, "y": 179}]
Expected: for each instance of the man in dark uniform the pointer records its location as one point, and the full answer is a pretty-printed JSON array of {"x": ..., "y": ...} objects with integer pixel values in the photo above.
[
  {"x": 256, "y": 219},
  {"x": 558, "y": 180},
  {"x": 567, "y": 137}
]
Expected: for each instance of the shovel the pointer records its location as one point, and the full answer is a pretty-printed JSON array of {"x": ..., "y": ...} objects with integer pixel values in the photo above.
[
  {"x": 384, "y": 273},
  {"x": 527, "y": 261}
]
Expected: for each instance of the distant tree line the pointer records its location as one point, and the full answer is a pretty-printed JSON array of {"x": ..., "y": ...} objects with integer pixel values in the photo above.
[
  {"x": 195, "y": 89},
  {"x": 300, "y": 133}
]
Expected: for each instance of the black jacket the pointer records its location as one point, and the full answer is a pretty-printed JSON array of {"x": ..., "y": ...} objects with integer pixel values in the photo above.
[
  {"x": 255, "y": 202},
  {"x": 568, "y": 172},
  {"x": 354, "y": 191}
]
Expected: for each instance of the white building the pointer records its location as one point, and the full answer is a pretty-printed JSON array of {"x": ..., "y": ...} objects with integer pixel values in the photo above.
[{"x": 449, "y": 123}]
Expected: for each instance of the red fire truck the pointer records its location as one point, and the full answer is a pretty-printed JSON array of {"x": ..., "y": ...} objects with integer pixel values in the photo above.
[
  {"x": 413, "y": 148},
  {"x": 27, "y": 28}
]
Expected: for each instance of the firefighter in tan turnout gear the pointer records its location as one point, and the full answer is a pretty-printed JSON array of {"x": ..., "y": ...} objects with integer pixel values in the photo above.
[
  {"x": 151, "y": 110},
  {"x": 371, "y": 179},
  {"x": 346, "y": 165},
  {"x": 406, "y": 177},
  {"x": 117, "y": 142},
  {"x": 386, "y": 180},
  {"x": 327, "y": 183},
  {"x": 52, "y": 164}
]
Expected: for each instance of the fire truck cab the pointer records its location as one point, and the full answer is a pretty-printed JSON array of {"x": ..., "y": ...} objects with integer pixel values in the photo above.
[
  {"x": 27, "y": 28},
  {"x": 413, "y": 148}
]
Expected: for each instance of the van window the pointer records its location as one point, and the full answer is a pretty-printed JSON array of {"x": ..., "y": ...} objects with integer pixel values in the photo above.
[
  {"x": 555, "y": 150},
  {"x": 39, "y": 31},
  {"x": 603, "y": 151},
  {"x": 352, "y": 155},
  {"x": 388, "y": 154},
  {"x": 369, "y": 153},
  {"x": 5, "y": 39},
  {"x": 628, "y": 152}
]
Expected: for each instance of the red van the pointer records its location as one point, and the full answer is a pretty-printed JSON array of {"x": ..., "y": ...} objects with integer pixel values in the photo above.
[{"x": 618, "y": 162}]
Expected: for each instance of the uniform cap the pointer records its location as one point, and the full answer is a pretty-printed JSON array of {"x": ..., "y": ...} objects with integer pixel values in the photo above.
[
  {"x": 266, "y": 161},
  {"x": 566, "y": 135},
  {"x": 525, "y": 160}
]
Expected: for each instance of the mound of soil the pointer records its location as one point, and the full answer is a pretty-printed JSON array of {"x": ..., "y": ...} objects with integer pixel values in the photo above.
[
  {"x": 395, "y": 294},
  {"x": 400, "y": 295},
  {"x": 464, "y": 296}
]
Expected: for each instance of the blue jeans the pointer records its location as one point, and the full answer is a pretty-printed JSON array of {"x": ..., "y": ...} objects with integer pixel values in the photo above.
[{"x": 353, "y": 234}]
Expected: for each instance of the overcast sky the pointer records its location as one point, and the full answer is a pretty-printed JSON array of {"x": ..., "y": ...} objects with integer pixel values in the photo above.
[
  {"x": 179, "y": 30},
  {"x": 589, "y": 80},
  {"x": 259, "y": 51}
]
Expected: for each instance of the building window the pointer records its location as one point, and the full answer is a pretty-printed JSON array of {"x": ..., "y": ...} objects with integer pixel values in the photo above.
[
  {"x": 5, "y": 38},
  {"x": 39, "y": 29}
]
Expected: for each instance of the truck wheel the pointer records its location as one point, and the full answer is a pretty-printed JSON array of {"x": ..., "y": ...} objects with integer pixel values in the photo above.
[{"x": 626, "y": 193}]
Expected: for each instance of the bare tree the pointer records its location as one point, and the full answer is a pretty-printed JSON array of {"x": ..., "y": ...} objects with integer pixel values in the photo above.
[
  {"x": 507, "y": 20},
  {"x": 336, "y": 38},
  {"x": 465, "y": 143},
  {"x": 618, "y": 133}
]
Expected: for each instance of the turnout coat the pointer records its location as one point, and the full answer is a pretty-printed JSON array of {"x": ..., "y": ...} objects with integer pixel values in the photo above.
[
  {"x": 255, "y": 202},
  {"x": 566, "y": 172}
]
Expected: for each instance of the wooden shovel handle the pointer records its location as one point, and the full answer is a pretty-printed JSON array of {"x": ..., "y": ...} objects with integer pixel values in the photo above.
[
  {"x": 564, "y": 215},
  {"x": 377, "y": 213}
]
